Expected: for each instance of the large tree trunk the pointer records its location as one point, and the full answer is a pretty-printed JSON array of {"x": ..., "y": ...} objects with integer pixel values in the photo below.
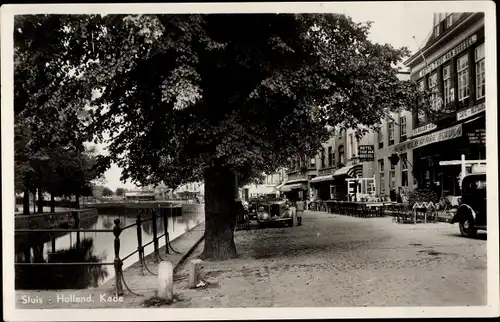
[
  {"x": 40, "y": 201},
  {"x": 26, "y": 202},
  {"x": 220, "y": 215},
  {"x": 52, "y": 203}
]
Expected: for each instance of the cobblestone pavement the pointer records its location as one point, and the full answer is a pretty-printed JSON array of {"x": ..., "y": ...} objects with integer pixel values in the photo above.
[
  {"x": 103, "y": 296},
  {"x": 340, "y": 261}
]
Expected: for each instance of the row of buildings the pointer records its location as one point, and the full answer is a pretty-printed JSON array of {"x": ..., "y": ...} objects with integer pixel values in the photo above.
[{"x": 406, "y": 151}]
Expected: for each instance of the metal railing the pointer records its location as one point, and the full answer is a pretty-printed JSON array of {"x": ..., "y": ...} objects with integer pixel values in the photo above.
[{"x": 117, "y": 230}]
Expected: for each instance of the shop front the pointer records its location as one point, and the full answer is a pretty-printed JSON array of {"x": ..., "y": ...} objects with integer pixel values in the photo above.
[
  {"x": 467, "y": 138},
  {"x": 295, "y": 189}
]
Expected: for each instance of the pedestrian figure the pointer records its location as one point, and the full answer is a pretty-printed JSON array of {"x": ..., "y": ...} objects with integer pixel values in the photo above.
[{"x": 300, "y": 211}]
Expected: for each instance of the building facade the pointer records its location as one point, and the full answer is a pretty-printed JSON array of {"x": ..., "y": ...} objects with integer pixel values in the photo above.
[
  {"x": 324, "y": 176},
  {"x": 268, "y": 188},
  {"x": 451, "y": 67},
  {"x": 396, "y": 129}
]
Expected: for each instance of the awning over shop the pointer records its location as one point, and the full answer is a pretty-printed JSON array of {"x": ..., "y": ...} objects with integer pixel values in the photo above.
[
  {"x": 443, "y": 135},
  {"x": 322, "y": 178},
  {"x": 295, "y": 186},
  {"x": 351, "y": 171}
]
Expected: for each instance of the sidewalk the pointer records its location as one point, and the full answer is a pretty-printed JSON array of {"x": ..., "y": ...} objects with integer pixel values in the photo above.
[
  {"x": 342, "y": 261},
  {"x": 144, "y": 285}
]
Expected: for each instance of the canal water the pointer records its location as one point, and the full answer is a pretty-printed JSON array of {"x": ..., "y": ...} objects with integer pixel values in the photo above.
[{"x": 94, "y": 247}]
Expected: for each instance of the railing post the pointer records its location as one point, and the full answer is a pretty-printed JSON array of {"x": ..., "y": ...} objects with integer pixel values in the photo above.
[
  {"x": 155, "y": 236},
  {"x": 165, "y": 225},
  {"x": 139, "y": 243},
  {"x": 118, "y": 263}
]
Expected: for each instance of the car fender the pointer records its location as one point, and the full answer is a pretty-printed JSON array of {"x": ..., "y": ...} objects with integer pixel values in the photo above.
[{"x": 463, "y": 210}]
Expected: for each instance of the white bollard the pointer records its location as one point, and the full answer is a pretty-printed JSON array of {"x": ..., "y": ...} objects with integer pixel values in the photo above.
[
  {"x": 194, "y": 272},
  {"x": 166, "y": 280}
]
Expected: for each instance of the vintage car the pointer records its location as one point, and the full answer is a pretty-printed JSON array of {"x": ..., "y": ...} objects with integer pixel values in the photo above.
[
  {"x": 273, "y": 214},
  {"x": 252, "y": 210},
  {"x": 471, "y": 214}
]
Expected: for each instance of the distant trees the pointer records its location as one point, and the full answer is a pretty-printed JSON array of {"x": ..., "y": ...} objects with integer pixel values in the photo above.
[
  {"x": 106, "y": 192},
  {"x": 50, "y": 120},
  {"x": 120, "y": 192}
]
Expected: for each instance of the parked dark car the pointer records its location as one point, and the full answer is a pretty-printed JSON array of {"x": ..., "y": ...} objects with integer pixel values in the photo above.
[
  {"x": 274, "y": 213},
  {"x": 471, "y": 214}
]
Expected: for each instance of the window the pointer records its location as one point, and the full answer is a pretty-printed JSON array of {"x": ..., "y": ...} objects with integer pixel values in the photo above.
[
  {"x": 402, "y": 128},
  {"x": 391, "y": 132},
  {"x": 449, "y": 20},
  {"x": 341, "y": 154},
  {"x": 436, "y": 31},
  {"x": 330, "y": 156},
  {"x": 312, "y": 163},
  {"x": 480, "y": 72},
  {"x": 463, "y": 77},
  {"x": 351, "y": 143},
  {"x": 432, "y": 80},
  {"x": 292, "y": 165},
  {"x": 380, "y": 138},
  {"x": 448, "y": 90},
  {"x": 404, "y": 170},
  {"x": 392, "y": 176},
  {"x": 323, "y": 163},
  {"x": 381, "y": 172}
]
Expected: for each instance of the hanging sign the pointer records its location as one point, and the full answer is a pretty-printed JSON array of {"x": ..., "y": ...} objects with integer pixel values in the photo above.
[{"x": 366, "y": 153}]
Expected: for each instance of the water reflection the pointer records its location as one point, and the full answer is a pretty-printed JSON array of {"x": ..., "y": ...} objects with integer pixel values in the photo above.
[
  {"x": 60, "y": 277},
  {"x": 81, "y": 247}
]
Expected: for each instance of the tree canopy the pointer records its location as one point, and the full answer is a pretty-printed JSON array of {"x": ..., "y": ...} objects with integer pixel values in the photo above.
[{"x": 212, "y": 97}]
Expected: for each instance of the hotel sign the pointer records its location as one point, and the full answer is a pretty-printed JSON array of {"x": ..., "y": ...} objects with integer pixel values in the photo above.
[
  {"x": 366, "y": 153},
  {"x": 452, "y": 53},
  {"x": 424, "y": 129},
  {"x": 470, "y": 111},
  {"x": 443, "y": 135}
]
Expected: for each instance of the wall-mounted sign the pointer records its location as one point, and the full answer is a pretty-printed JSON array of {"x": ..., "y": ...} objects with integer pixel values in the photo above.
[
  {"x": 443, "y": 135},
  {"x": 452, "y": 53},
  {"x": 470, "y": 111},
  {"x": 327, "y": 171},
  {"x": 477, "y": 137},
  {"x": 424, "y": 129},
  {"x": 366, "y": 153}
]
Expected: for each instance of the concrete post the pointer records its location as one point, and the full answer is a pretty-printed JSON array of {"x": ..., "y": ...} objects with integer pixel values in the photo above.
[
  {"x": 166, "y": 280},
  {"x": 194, "y": 272}
]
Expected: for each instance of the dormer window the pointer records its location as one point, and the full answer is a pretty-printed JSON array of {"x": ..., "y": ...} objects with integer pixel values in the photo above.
[
  {"x": 449, "y": 20},
  {"x": 436, "y": 31}
]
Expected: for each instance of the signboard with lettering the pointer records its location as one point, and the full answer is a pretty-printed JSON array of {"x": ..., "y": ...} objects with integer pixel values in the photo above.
[
  {"x": 424, "y": 129},
  {"x": 452, "y": 53},
  {"x": 443, "y": 135},
  {"x": 327, "y": 171},
  {"x": 366, "y": 153},
  {"x": 470, "y": 111},
  {"x": 477, "y": 137}
]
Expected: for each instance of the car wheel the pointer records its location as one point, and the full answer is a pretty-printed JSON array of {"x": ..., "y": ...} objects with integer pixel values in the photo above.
[{"x": 467, "y": 227}]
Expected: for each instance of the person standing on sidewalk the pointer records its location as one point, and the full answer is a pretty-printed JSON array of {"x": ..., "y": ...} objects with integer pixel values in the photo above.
[{"x": 300, "y": 211}]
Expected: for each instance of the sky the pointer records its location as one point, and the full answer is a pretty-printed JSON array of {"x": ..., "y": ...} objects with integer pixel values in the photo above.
[{"x": 395, "y": 27}]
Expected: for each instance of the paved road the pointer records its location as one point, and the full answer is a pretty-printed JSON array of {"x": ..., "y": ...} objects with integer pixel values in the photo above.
[{"x": 335, "y": 260}]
